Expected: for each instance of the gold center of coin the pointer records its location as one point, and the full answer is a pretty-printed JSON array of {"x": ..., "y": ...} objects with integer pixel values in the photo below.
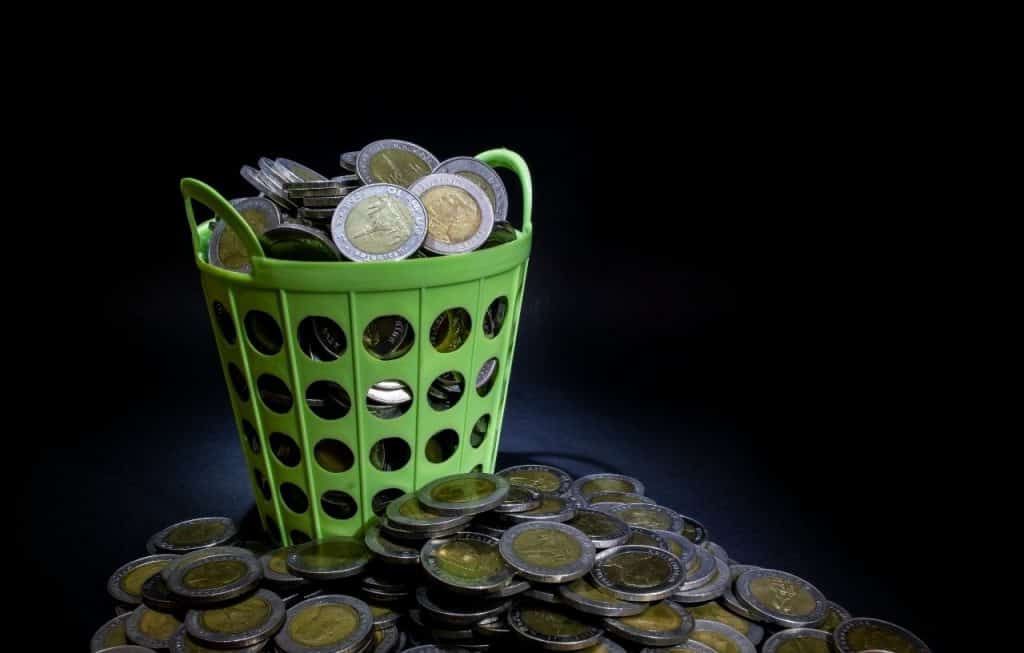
[
  {"x": 232, "y": 252},
  {"x": 413, "y": 509},
  {"x": 237, "y": 618},
  {"x": 645, "y": 517},
  {"x": 689, "y": 531},
  {"x": 714, "y": 612},
  {"x": 594, "y": 525},
  {"x": 552, "y": 624},
  {"x": 832, "y": 619},
  {"x": 379, "y": 611},
  {"x": 463, "y": 490},
  {"x": 482, "y": 183},
  {"x": 469, "y": 559},
  {"x": 606, "y": 485},
  {"x": 397, "y": 167},
  {"x": 192, "y": 647},
  {"x": 195, "y": 534},
  {"x": 548, "y": 505},
  {"x": 547, "y": 547},
  {"x": 453, "y": 215},
  {"x": 868, "y": 637},
  {"x": 596, "y": 648},
  {"x": 378, "y": 636},
  {"x": 323, "y": 625},
  {"x": 717, "y": 641},
  {"x": 158, "y": 625},
  {"x": 332, "y": 553},
  {"x": 804, "y": 645},
  {"x": 380, "y": 224},
  {"x": 782, "y": 595},
  {"x": 637, "y": 569},
  {"x": 658, "y": 618},
  {"x": 216, "y": 573},
  {"x": 278, "y": 562},
  {"x": 136, "y": 578},
  {"x": 586, "y": 589},
  {"x": 537, "y": 479},
  {"x": 616, "y": 497},
  {"x": 115, "y": 636}
]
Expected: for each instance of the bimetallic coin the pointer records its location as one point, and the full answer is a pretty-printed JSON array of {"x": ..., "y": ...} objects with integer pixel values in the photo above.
[
  {"x": 547, "y": 552},
  {"x": 860, "y": 635},
  {"x": 226, "y": 249},
  {"x": 395, "y": 162},
  {"x": 721, "y": 638},
  {"x": 329, "y": 559},
  {"x": 483, "y": 176},
  {"x": 692, "y": 530},
  {"x": 690, "y": 646},
  {"x": 463, "y": 494},
  {"x": 125, "y": 584},
  {"x": 660, "y": 624},
  {"x": 594, "y": 483},
  {"x": 647, "y": 537},
  {"x": 407, "y": 512},
  {"x": 194, "y": 534},
  {"x": 268, "y": 186},
  {"x": 647, "y": 515},
  {"x": 182, "y": 642},
  {"x": 387, "y": 550},
  {"x": 502, "y": 233},
  {"x": 552, "y": 628},
  {"x": 300, "y": 195},
  {"x": 147, "y": 627},
  {"x": 127, "y": 648},
  {"x": 244, "y": 623},
  {"x": 585, "y": 596},
  {"x": 379, "y": 222},
  {"x": 316, "y": 215},
  {"x": 459, "y": 215},
  {"x": 604, "y": 645},
  {"x": 453, "y": 610},
  {"x": 324, "y": 202},
  {"x": 520, "y": 498},
  {"x": 712, "y": 589},
  {"x": 612, "y": 496},
  {"x": 297, "y": 242},
  {"x": 158, "y": 596},
  {"x": 729, "y": 598},
  {"x": 275, "y": 569},
  {"x": 493, "y": 627},
  {"x": 216, "y": 578},
  {"x": 604, "y": 530},
  {"x": 716, "y": 550},
  {"x": 512, "y": 588},
  {"x": 782, "y": 598},
  {"x": 837, "y": 614},
  {"x": 638, "y": 573},
  {"x": 278, "y": 172},
  {"x": 545, "y": 594},
  {"x": 684, "y": 549},
  {"x": 543, "y": 478},
  {"x": 348, "y": 161},
  {"x": 799, "y": 640},
  {"x": 300, "y": 171},
  {"x": 110, "y": 634},
  {"x": 189, "y": 558},
  {"x": 383, "y": 616},
  {"x": 701, "y": 571},
  {"x": 552, "y": 508},
  {"x": 466, "y": 562},
  {"x": 713, "y": 611},
  {"x": 332, "y": 623}
]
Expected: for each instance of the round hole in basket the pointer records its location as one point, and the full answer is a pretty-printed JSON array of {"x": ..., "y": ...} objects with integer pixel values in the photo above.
[
  {"x": 328, "y": 400},
  {"x": 285, "y": 449},
  {"x": 294, "y": 497},
  {"x": 275, "y": 393},
  {"x": 495, "y": 316},
  {"x": 442, "y": 445},
  {"x": 224, "y": 321},
  {"x": 321, "y": 338},
  {"x": 390, "y": 454},
  {"x": 450, "y": 330},
  {"x": 380, "y": 501},
  {"x": 338, "y": 504},
  {"x": 388, "y": 337},
  {"x": 334, "y": 455},
  {"x": 263, "y": 332},
  {"x": 446, "y": 390},
  {"x": 486, "y": 377},
  {"x": 238, "y": 381},
  {"x": 389, "y": 399},
  {"x": 479, "y": 434}
]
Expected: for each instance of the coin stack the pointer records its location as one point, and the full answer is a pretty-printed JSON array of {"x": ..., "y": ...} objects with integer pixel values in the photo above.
[
  {"x": 522, "y": 560},
  {"x": 397, "y": 201}
]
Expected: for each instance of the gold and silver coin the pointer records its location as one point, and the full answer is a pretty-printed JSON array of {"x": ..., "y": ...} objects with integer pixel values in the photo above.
[
  {"x": 329, "y": 559},
  {"x": 268, "y": 186},
  {"x": 690, "y": 646},
  {"x": 721, "y": 638},
  {"x": 713, "y": 611},
  {"x": 715, "y": 586},
  {"x": 729, "y": 596},
  {"x": 466, "y": 562},
  {"x": 147, "y": 627},
  {"x": 782, "y": 598},
  {"x": 336, "y": 623},
  {"x": 612, "y": 496},
  {"x": 583, "y": 595},
  {"x": 520, "y": 498},
  {"x": 226, "y": 249},
  {"x": 638, "y": 573},
  {"x": 407, "y": 512},
  {"x": 604, "y": 530},
  {"x": 692, "y": 530},
  {"x": 304, "y": 173},
  {"x": 110, "y": 634},
  {"x": 552, "y": 628},
  {"x": 158, "y": 596},
  {"x": 387, "y": 550},
  {"x": 125, "y": 584},
  {"x": 836, "y": 615},
  {"x": 799, "y": 640},
  {"x": 543, "y": 478},
  {"x": 661, "y": 624},
  {"x": 716, "y": 550},
  {"x": 194, "y": 534},
  {"x": 700, "y": 571},
  {"x": 681, "y": 547},
  {"x": 590, "y": 484},
  {"x": 348, "y": 161},
  {"x": 216, "y": 578},
  {"x": 453, "y": 610},
  {"x": 379, "y": 222},
  {"x": 292, "y": 241},
  {"x": 459, "y": 215},
  {"x": 275, "y": 569},
  {"x": 245, "y": 623},
  {"x": 182, "y": 642},
  {"x": 463, "y": 494},
  {"x": 552, "y": 508},
  {"x": 392, "y": 161},
  {"x": 860, "y": 635},
  {"x": 647, "y": 515},
  {"x": 547, "y": 552},
  {"x": 483, "y": 176},
  {"x": 647, "y": 537}
]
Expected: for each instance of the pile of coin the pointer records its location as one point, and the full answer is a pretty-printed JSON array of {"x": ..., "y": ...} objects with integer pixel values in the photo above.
[
  {"x": 397, "y": 201},
  {"x": 522, "y": 560}
]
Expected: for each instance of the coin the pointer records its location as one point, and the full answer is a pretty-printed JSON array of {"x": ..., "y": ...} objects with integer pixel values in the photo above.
[
  {"x": 125, "y": 584},
  {"x": 463, "y": 494},
  {"x": 194, "y": 534},
  {"x": 268, "y": 186},
  {"x": 716, "y": 550},
  {"x": 379, "y": 222},
  {"x": 329, "y": 559},
  {"x": 799, "y": 640},
  {"x": 613, "y": 496},
  {"x": 110, "y": 634},
  {"x": 409, "y": 513},
  {"x": 721, "y": 638},
  {"x": 348, "y": 161},
  {"x": 393, "y": 161},
  {"x": 647, "y": 537},
  {"x": 713, "y": 588},
  {"x": 127, "y": 648},
  {"x": 690, "y": 646},
  {"x": 552, "y": 508},
  {"x": 713, "y": 611},
  {"x": 297, "y": 242},
  {"x": 466, "y": 562},
  {"x": 604, "y": 530},
  {"x": 324, "y": 202},
  {"x": 226, "y": 249},
  {"x": 244, "y": 623},
  {"x": 729, "y": 597},
  {"x": 701, "y": 571},
  {"x": 316, "y": 215},
  {"x": 501, "y": 233},
  {"x": 147, "y": 627},
  {"x": 275, "y": 569},
  {"x": 453, "y": 610},
  {"x": 594, "y": 483},
  {"x": 692, "y": 530},
  {"x": 604, "y": 645},
  {"x": 278, "y": 172},
  {"x": 300, "y": 195},
  {"x": 336, "y": 623},
  {"x": 585, "y": 596},
  {"x": 552, "y": 628},
  {"x": 544, "y": 593},
  {"x": 459, "y": 215},
  {"x": 544, "y": 478},
  {"x": 216, "y": 578},
  {"x": 638, "y": 573},
  {"x": 492, "y": 627},
  {"x": 483, "y": 176},
  {"x": 300, "y": 171},
  {"x": 385, "y": 639},
  {"x": 387, "y": 550},
  {"x": 158, "y": 596},
  {"x": 547, "y": 552},
  {"x": 648, "y": 515},
  {"x": 511, "y": 588},
  {"x": 200, "y": 554},
  {"x": 835, "y": 616},
  {"x": 860, "y": 634},
  {"x": 520, "y": 498},
  {"x": 784, "y": 599},
  {"x": 182, "y": 642},
  {"x": 661, "y": 624}
]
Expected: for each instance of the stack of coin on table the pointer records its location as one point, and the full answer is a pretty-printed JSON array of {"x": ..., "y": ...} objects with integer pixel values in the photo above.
[
  {"x": 527, "y": 559},
  {"x": 395, "y": 201}
]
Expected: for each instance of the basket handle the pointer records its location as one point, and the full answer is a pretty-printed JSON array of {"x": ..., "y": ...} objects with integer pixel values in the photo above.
[
  {"x": 502, "y": 158},
  {"x": 193, "y": 189}
]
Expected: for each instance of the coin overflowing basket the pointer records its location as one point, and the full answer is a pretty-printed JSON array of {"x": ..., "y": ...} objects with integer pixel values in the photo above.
[{"x": 323, "y": 453}]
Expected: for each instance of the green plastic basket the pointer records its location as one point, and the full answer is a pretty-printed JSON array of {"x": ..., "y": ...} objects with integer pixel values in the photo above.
[{"x": 312, "y": 492}]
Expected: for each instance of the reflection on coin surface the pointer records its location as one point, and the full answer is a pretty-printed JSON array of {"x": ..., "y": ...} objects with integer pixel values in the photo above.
[
  {"x": 125, "y": 584},
  {"x": 483, "y": 176},
  {"x": 612, "y": 496},
  {"x": 661, "y": 624},
  {"x": 647, "y": 537},
  {"x": 110, "y": 634},
  {"x": 379, "y": 222},
  {"x": 647, "y": 515},
  {"x": 348, "y": 161},
  {"x": 720, "y": 637},
  {"x": 692, "y": 530},
  {"x": 395, "y": 162},
  {"x": 390, "y": 551},
  {"x": 464, "y": 494},
  {"x": 459, "y": 216},
  {"x": 799, "y": 640},
  {"x": 782, "y": 598},
  {"x": 147, "y": 627},
  {"x": 604, "y": 530},
  {"x": 552, "y": 508},
  {"x": 195, "y": 534},
  {"x": 215, "y": 578},
  {"x": 520, "y": 498},
  {"x": 836, "y": 615},
  {"x": 547, "y": 552},
  {"x": 297, "y": 242},
  {"x": 638, "y": 573},
  {"x": 275, "y": 568},
  {"x": 713, "y": 588},
  {"x": 594, "y": 483},
  {"x": 226, "y": 248},
  {"x": 302, "y": 172},
  {"x": 331, "y": 622},
  {"x": 540, "y": 477},
  {"x": 713, "y": 611},
  {"x": 245, "y": 623},
  {"x": 466, "y": 562},
  {"x": 861, "y": 634},
  {"x": 408, "y": 512},
  {"x": 329, "y": 559},
  {"x": 585, "y": 596},
  {"x": 551, "y": 627}
]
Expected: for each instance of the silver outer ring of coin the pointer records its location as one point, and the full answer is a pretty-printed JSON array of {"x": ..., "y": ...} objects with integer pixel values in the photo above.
[
  {"x": 544, "y": 595},
  {"x": 199, "y": 596},
  {"x": 188, "y": 558},
  {"x": 716, "y": 550},
  {"x": 783, "y": 636},
  {"x": 136, "y": 636},
  {"x": 709, "y": 591},
  {"x": 126, "y": 648},
  {"x": 251, "y": 637},
  {"x": 277, "y": 578},
  {"x": 114, "y": 582},
  {"x": 665, "y": 589},
  {"x": 96, "y": 643},
  {"x": 732, "y": 602},
  {"x": 443, "y": 522},
  {"x": 744, "y": 644},
  {"x": 267, "y": 186},
  {"x": 657, "y": 536},
  {"x": 424, "y": 184},
  {"x": 702, "y": 531},
  {"x": 180, "y": 645},
  {"x": 348, "y": 160},
  {"x": 688, "y": 547},
  {"x": 386, "y": 620},
  {"x": 531, "y": 501},
  {"x": 486, "y": 373},
  {"x": 493, "y": 627},
  {"x": 284, "y": 231},
  {"x": 577, "y": 486},
  {"x": 512, "y": 588},
  {"x": 304, "y": 173},
  {"x": 362, "y": 630},
  {"x": 606, "y": 542},
  {"x": 386, "y": 393},
  {"x": 419, "y": 537},
  {"x": 566, "y": 643},
  {"x": 428, "y": 559},
  {"x": 458, "y": 164},
  {"x": 391, "y": 552},
  {"x": 348, "y": 181},
  {"x": 417, "y": 211},
  {"x": 162, "y": 601},
  {"x": 160, "y": 538},
  {"x": 677, "y": 636},
  {"x": 842, "y": 633},
  {"x": 474, "y": 507},
  {"x": 278, "y": 172},
  {"x": 567, "y": 512},
  {"x": 701, "y": 576},
  {"x": 296, "y": 566},
  {"x": 558, "y": 574},
  {"x": 486, "y": 529},
  {"x": 482, "y": 609},
  {"x": 843, "y": 613},
  {"x": 564, "y": 480},
  {"x": 675, "y": 520},
  {"x": 588, "y": 605},
  {"x": 389, "y": 641},
  {"x": 785, "y": 620},
  {"x": 272, "y": 213},
  {"x": 689, "y": 646},
  {"x": 367, "y": 153},
  {"x": 595, "y": 498}
]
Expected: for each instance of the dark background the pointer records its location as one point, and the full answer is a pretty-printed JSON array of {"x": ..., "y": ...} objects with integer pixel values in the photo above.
[{"x": 712, "y": 307}]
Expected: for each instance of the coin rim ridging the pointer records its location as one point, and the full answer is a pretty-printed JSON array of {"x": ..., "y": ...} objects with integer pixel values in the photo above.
[
  {"x": 277, "y": 578},
  {"x": 487, "y": 173},
  {"x": 702, "y": 530},
  {"x": 137, "y": 637},
  {"x": 443, "y": 522},
  {"x": 424, "y": 184},
  {"x": 177, "y": 644},
  {"x": 292, "y": 165},
  {"x": 516, "y": 623},
  {"x": 702, "y": 575},
  {"x": 255, "y": 635},
  {"x": 709, "y": 591},
  {"x": 604, "y": 542},
  {"x": 663, "y": 591},
  {"x": 96, "y": 643},
  {"x": 675, "y": 519},
  {"x": 441, "y": 614},
  {"x": 787, "y": 621},
  {"x": 580, "y": 567},
  {"x": 733, "y": 602},
  {"x": 577, "y": 485},
  {"x": 527, "y": 517},
  {"x": 336, "y": 573},
  {"x": 474, "y": 507},
  {"x": 772, "y": 644},
  {"x": 114, "y": 582},
  {"x": 417, "y": 211},
  {"x": 521, "y": 506},
  {"x": 842, "y": 632},
  {"x": 363, "y": 628},
  {"x": 350, "y": 164},
  {"x": 739, "y": 638},
  {"x": 374, "y": 148},
  {"x": 429, "y": 562},
  {"x": 600, "y": 608},
  {"x": 160, "y": 537},
  {"x": 249, "y": 580},
  {"x": 678, "y": 636}
]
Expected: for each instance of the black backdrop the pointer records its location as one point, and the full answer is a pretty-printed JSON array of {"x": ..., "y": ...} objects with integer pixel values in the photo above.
[{"x": 706, "y": 309}]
